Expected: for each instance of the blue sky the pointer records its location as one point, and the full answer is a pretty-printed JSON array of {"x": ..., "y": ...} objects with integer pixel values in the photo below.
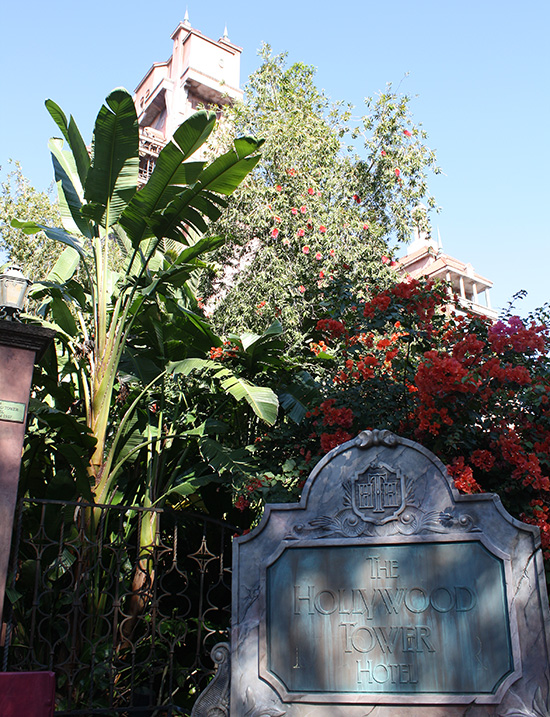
[{"x": 478, "y": 72}]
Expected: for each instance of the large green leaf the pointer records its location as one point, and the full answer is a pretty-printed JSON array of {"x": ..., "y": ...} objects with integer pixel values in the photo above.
[
  {"x": 223, "y": 459},
  {"x": 113, "y": 174},
  {"x": 261, "y": 399},
  {"x": 74, "y": 139},
  {"x": 299, "y": 397},
  {"x": 65, "y": 266},
  {"x": 51, "y": 232},
  {"x": 69, "y": 189},
  {"x": 222, "y": 176},
  {"x": 170, "y": 172}
]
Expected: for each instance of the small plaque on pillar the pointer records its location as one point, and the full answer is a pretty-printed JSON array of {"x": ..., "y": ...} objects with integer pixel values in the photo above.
[{"x": 12, "y": 411}]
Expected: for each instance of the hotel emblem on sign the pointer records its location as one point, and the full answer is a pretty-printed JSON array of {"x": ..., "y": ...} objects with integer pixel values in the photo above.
[{"x": 378, "y": 494}]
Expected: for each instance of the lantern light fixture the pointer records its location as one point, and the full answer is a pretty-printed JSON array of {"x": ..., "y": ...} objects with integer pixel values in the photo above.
[{"x": 13, "y": 291}]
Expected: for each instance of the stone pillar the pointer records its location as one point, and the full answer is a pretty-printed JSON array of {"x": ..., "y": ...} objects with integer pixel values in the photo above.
[{"x": 21, "y": 345}]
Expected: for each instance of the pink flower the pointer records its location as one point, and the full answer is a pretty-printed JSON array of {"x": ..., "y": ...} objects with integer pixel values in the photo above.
[
  {"x": 311, "y": 191},
  {"x": 300, "y": 232},
  {"x": 365, "y": 227},
  {"x": 318, "y": 256},
  {"x": 305, "y": 249},
  {"x": 331, "y": 252},
  {"x": 278, "y": 188},
  {"x": 286, "y": 241},
  {"x": 302, "y": 289},
  {"x": 383, "y": 153},
  {"x": 294, "y": 211},
  {"x": 322, "y": 229},
  {"x": 385, "y": 260},
  {"x": 275, "y": 233},
  {"x": 397, "y": 172},
  {"x": 407, "y": 133},
  {"x": 303, "y": 209}
]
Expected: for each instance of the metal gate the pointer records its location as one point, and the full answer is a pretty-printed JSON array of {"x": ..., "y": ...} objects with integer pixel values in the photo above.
[{"x": 123, "y": 603}]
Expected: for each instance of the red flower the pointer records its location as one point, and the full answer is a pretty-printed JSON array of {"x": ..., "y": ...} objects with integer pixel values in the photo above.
[
  {"x": 294, "y": 211},
  {"x": 305, "y": 249},
  {"x": 318, "y": 256},
  {"x": 291, "y": 172},
  {"x": 383, "y": 153},
  {"x": 301, "y": 232},
  {"x": 322, "y": 229},
  {"x": 241, "y": 503},
  {"x": 278, "y": 188},
  {"x": 275, "y": 233},
  {"x": 277, "y": 219},
  {"x": 407, "y": 133},
  {"x": 302, "y": 289},
  {"x": 365, "y": 227},
  {"x": 321, "y": 275},
  {"x": 311, "y": 191},
  {"x": 331, "y": 252},
  {"x": 303, "y": 209},
  {"x": 385, "y": 260},
  {"x": 357, "y": 198},
  {"x": 397, "y": 172},
  {"x": 331, "y": 440}
]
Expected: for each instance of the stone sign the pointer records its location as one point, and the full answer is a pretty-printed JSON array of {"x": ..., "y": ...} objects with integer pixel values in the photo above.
[{"x": 384, "y": 592}]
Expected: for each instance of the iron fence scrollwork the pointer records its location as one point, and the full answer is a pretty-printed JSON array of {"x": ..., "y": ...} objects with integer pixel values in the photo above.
[{"x": 124, "y": 603}]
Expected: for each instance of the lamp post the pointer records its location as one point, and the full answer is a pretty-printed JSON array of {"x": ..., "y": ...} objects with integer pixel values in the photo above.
[{"x": 21, "y": 345}]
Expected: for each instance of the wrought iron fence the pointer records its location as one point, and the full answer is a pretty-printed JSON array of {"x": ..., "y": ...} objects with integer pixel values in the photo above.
[{"x": 123, "y": 603}]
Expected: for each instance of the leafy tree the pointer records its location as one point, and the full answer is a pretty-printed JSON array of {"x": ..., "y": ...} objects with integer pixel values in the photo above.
[
  {"x": 18, "y": 198},
  {"x": 315, "y": 204}
]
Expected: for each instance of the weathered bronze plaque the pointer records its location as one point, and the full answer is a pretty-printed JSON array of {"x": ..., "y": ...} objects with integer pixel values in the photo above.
[
  {"x": 12, "y": 411},
  {"x": 386, "y": 593},
  {"x": 415, "y": 618}
]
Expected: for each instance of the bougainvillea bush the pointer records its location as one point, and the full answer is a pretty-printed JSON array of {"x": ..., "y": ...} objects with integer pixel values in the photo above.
[{"x": 474, "y": 391}]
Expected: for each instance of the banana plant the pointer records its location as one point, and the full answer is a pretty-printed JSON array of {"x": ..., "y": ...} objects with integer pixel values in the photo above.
[{"x": 114, "y": 234}]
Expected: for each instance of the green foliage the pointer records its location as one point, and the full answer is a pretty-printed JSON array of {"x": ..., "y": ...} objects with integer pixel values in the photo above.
[
  {"x": 104, "y": 216},
  {"x": 18, "y": 198},
  {"x": 317, "y": 203}
]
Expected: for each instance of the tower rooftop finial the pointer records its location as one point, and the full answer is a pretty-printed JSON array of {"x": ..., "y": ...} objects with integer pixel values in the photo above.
[
  {"x": 186, "y": 18},
  {"x": 225, "y": 35}
]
